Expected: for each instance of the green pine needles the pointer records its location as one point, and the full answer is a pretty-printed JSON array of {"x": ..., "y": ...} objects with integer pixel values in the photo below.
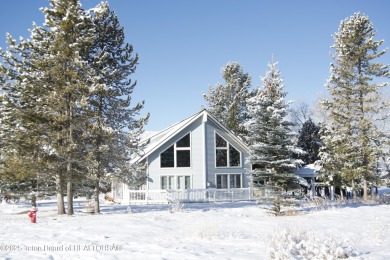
[{"x": 351, "y": 152}]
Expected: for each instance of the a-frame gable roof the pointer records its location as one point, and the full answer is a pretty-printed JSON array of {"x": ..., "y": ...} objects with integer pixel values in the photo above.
[{"x": 160, "y": 138}]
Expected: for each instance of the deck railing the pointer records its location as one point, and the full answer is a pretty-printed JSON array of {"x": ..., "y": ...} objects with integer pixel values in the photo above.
[{"x": 193, "y": 195}]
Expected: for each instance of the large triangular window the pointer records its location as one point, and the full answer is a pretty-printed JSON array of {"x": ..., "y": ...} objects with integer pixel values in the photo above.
[
  {"x": 226, "y": 155},
  {"x": 177, "y": 155}
]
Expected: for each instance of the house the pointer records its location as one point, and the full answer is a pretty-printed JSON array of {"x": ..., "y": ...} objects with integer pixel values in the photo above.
[
  {"x": 309, "y": 173},
  {"x": 196, "y": 154}
]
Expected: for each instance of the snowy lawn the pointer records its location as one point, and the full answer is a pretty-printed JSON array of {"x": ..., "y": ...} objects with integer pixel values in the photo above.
[{"x": 239, "y": 230}]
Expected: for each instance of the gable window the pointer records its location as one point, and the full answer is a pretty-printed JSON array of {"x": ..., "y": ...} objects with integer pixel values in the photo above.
[
  {"x": 234, "y": 156},
  {"x": 177, "y": 155},
  {"x": 226, "y": 155},
  {"x": 228, "y": 181}
]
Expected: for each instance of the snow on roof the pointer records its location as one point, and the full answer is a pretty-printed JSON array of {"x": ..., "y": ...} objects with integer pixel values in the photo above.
[
  {"x": 147, "y": 135},
  {"x": 156, "y": 139}
]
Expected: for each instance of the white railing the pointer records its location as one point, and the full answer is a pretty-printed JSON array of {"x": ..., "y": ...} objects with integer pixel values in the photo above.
[{"x": 187, "y": 196}]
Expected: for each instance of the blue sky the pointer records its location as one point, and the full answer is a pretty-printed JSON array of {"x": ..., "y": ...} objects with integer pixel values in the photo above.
[{"x": 183, "y": 45}]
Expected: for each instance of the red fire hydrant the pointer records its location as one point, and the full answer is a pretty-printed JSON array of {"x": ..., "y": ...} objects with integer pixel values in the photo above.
[{"x": 33, "y": 215}]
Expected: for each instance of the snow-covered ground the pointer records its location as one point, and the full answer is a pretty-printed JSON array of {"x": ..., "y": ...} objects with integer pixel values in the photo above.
[{"x": 241, "y": 230}]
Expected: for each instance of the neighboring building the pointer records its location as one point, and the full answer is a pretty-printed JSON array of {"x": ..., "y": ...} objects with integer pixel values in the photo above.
[
  {"x": 309, "y": 173},
  {"x": 198, "y": 153}
]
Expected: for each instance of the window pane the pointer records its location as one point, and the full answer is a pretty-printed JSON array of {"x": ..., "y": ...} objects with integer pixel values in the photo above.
[
  {"x": 184, "y": 142},
  {"x": 187, "y": 182},
  {"x": 171, "y": 180},
  {"x": 234, "y": 156},
  {"x": 237, "y": 181},
  {"x": 219, "y": 141},
  {"x": 231, "y": 181},
  {"x": 222, "y": 181},
  {"x": 166, "y": 158},
  {"x": 183, "y": 182},
  {"x": 163, "y": 182},
  {"x": 183, "y": 158},
  {"x": 180, "y": 180},
  {"x": 219, "y": 181},
  {"x": 221, "y": 158}
]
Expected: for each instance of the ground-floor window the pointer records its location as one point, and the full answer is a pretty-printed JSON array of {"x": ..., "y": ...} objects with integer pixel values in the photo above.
[
  {"x": 228, "y": 181},
  {"x": 179, "y": 182}
]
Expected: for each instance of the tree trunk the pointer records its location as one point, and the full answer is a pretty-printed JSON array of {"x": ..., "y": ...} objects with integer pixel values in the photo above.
[
  {"x": 69, "y": 188},
  {"x": 365, "y": 190},
  {"x": 353, "y": 190},
  {"x": 60, "y": 194},
  {"x": 96, "y": 204}
]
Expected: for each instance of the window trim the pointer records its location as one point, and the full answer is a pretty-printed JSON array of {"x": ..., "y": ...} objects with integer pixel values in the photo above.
[
  {"x": 228, "y": 144},
  {"x": 175, "y": 181},
  {"x": 228, "y": 180},
  {"x": 175, "y": 149}
]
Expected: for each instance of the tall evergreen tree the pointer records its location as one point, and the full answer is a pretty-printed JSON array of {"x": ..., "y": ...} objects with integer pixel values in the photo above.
[
  {"x": 67, "y": 94},
  {"x": 269, "y": 136},
  {"x": 355, "y": 100},
  {"x": 228, "y": 102},
  {"x": 113, "y": 129},
  {"x": 50, "y": 88}
]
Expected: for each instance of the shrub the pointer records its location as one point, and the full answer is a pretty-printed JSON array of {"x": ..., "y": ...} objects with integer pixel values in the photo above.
[
  {"x": 301, "y": 244},
  {"x": 385, "y": 198},
  {"x": 175, "y": 205}
]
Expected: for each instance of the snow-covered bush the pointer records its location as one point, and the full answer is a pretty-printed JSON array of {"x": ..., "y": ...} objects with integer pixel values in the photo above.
[
  {"x": 208, "y": 232},
  {"x": 385, "y": 198},
  {"x": 175, "y": 205},
  {"x": 290, "y": 243}
]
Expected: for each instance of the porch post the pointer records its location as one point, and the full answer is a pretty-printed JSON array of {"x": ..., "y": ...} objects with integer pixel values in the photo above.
[
  {"x": 313, "y": 187},
  {"x": 126, "y": 194}
]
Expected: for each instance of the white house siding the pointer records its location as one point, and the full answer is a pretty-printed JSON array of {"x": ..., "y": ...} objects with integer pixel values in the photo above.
[
  {"x": 212, "y": 170},
  {"x": 196, "y": 169}
]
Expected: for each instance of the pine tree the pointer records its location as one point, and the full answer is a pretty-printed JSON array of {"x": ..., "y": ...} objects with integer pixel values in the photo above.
[
  {"x": 309, "y": 141},
  {"x": 66, "y": 100},
  {"x": 69, "y": 28},
  {"x": 269, "y": 135},
  {"x": 50, "y": 89},
  {"x": 331, "y": 164},
  {"x": 113, "y": 130},
  {"x": 228, "y": 102},
  {"x": 355, "y": 104}
]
